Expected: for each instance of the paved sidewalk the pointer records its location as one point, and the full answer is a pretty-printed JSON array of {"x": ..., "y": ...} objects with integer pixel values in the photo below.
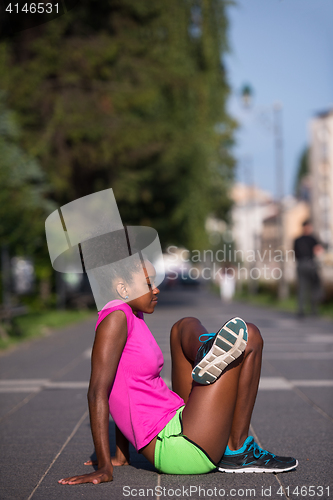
[{"x": 44, "y": 425}]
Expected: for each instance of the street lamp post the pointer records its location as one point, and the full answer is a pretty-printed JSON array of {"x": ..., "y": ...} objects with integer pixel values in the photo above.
[
  {"x": 251, "y": 222},
  {"x": 247, "y": 98},
  {"x": 247, "y": 101},
  {"x": 279, "y": 173}
]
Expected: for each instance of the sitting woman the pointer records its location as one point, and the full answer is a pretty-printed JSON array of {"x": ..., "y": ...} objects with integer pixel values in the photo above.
[{"x": 201, "y": 425}]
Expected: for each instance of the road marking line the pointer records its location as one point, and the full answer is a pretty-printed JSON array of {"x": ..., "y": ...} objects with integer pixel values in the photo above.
[
  {"x": 19, "y": 405},
  {"x": 312, "y": 383},
  {"x": 298, "y": 355},
  {"x": 34, "y": 385},
  {"x": 19, "y": 388},
  {"x": 266, "y": 383},
  {"x": 87, "y": 353},
  {"x": 66, "y": 385},
  {"x": 158, "y": 486},
  {"x": 281, "y": 383},
  {"x": 319, "y": 337},
  {"x": 254, "y": 434},
  {"x": 26, "y": 381},
  {"x": 274, "y": 383},
  {"x": 59, "y": 452},
  {"x": 312, "y": 403}
]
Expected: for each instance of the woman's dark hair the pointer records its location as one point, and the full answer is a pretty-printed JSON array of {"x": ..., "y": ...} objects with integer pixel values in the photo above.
[{"x": 111, "y": 257}]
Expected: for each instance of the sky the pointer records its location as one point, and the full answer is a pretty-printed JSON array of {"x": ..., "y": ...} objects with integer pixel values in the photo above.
[{"x": 284, "y": 50}]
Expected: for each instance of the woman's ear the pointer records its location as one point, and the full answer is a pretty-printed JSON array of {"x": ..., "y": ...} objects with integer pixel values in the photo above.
[{"x": 122, "y": 291}]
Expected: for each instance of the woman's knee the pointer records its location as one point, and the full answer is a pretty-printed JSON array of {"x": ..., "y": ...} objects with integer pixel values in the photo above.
[
  {"x": 179, "y": 331},
  {"x": 255, "y": 340},
  {"x": 183, "y": 322}
]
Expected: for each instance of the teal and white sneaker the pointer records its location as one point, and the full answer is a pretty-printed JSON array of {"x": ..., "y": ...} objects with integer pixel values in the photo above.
[
  {"x": 252, "y": 458},
  {"x": 219, "y": 350}
]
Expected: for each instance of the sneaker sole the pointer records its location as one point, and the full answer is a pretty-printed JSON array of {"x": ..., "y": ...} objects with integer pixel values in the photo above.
[
  {"x": 230, "y": 342},
  {"x": 256, "y": 470}
]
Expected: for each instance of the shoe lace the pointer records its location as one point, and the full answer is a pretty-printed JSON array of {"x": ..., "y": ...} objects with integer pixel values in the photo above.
[
  {"x": 208, "y": 335},
  {"x": 259, "y": 452}
]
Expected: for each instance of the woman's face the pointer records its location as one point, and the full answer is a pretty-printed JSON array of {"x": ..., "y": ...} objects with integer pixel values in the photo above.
[{"x": 143, "y": 290}]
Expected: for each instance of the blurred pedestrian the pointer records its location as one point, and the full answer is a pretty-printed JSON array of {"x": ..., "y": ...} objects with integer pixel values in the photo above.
[
  {"x": 306, "y": 249},
  {"x": 228, "y": 285}
]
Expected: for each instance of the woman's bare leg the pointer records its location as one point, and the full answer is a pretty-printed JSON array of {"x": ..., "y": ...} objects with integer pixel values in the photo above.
[
  {"x": 184, "y": 338},
  {"x": 247, "y": 388},
  {"x": 218, "y": 414}
]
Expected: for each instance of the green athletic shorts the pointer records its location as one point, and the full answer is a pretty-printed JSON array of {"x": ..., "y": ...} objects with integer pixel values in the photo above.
[{"x": 177, "y": 454}]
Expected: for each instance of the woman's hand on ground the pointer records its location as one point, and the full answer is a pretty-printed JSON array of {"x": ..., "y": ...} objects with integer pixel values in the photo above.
[
  {"x": 115, "y": 462},
  {"x": 102, "y": 475}
]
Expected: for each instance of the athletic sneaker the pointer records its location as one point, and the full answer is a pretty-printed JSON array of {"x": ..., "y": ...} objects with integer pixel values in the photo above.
[
  {"x": 219, "y": 350},
  {"x": 251, "y": 458}
]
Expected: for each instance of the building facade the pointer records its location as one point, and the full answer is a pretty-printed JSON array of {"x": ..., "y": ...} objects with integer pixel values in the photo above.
[{"x": 321, "y": 177}]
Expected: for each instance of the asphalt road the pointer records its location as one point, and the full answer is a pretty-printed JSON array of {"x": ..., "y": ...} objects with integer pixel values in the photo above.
[{"x": 44, "y": 424}]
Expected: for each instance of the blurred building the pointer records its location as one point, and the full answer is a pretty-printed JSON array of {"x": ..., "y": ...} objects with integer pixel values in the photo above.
[
  {"x": 295, "y": 212},
  {"x": 321, "y": 176},
  {"x": 256, "y": 229},
  {"x": 251, "y": 207},
  {"x": 256, "y": 218}
]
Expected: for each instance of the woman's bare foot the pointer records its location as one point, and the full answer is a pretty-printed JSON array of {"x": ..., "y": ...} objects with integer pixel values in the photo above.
[
  {"x": 91, "y": 462},
  {"x": 114, "y": 462}
]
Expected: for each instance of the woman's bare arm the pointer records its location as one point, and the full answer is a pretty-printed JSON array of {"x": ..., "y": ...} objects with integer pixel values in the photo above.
[
  {"x": 109, "y": 343},
  {"x": 122, "y": 451}
]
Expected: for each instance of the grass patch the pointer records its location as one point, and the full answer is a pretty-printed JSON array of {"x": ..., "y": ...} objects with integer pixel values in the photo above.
[
  {"x": 36, "y": 324},
  {"x": 267, "y": 299}
]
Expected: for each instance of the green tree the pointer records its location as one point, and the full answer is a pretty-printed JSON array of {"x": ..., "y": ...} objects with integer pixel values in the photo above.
[
  {"x": 302, "y": 172},
  {"x": 22, "y": 189},
  {"x": 128, "y": 94},
  {"x": 23, "y": 202}
]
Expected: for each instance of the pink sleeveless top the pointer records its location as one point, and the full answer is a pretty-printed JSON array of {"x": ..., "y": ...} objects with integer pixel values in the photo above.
[{"x": 140, "y": 402}]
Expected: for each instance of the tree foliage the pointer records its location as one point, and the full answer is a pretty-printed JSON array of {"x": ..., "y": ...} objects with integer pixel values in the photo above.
[
  {"x": 128, "y": 94},
  {"x": 301, "y": 174},
  {"x": 23, "y": 206}
]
